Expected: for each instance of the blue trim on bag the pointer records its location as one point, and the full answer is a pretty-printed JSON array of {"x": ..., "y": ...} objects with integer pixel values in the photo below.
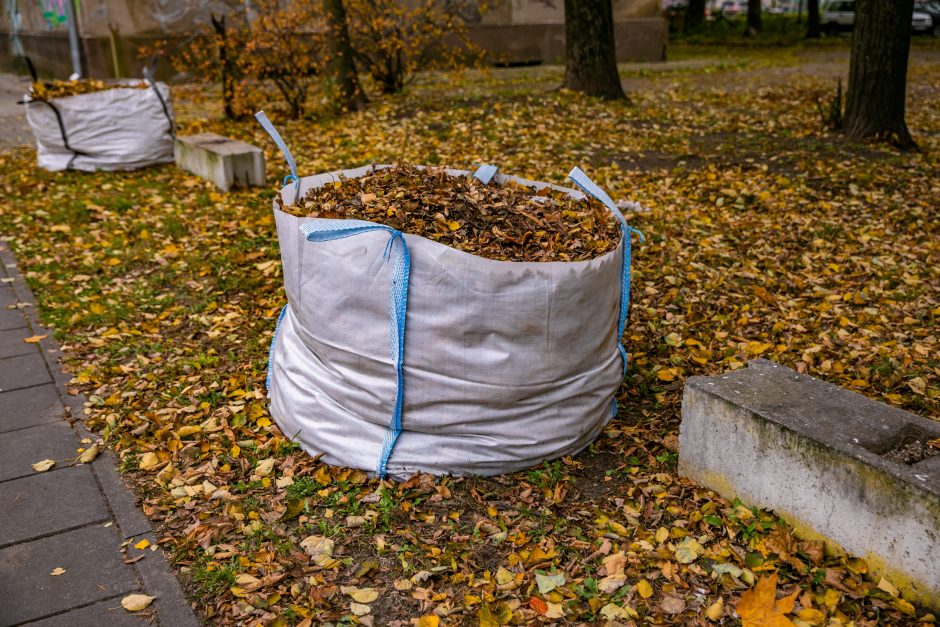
[
  {"x": 269, "y": 127},
  {"x": 277, "y": 329},
  {"x": 581, "y": 180},
  {"x": 325, "y": 230}
]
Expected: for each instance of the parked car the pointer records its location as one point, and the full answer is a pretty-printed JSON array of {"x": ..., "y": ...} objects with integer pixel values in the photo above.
[
  {"x": 931, "y": 8},
  {"x": 840, "y": 16},
  {"x": 733, "y": 7}
]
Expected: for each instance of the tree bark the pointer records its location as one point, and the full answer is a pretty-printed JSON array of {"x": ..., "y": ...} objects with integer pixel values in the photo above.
[
  {"x": 753, "y": 17},
  {"x": 812, "y": 19},
  {"x": 874, "y": 104},
  {"x": 590, "y": 52},
  {"x": 226, "y": 66},
  {"x": 348, "y": 93},
  {"x": 694, "y": 16}
]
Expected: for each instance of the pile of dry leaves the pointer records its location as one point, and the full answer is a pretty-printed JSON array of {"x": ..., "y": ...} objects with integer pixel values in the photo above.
[
  {"x": 47, "y": 90},
  {"x": 509, "y": 222}
]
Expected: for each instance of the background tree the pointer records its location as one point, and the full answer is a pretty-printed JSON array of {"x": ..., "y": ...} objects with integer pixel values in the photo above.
[
  {"x": 753, "y": 17},
  {"x": 881, "y": 42},
  {"x": 392, "y": 39},
  {"x": 348, "y": 94},
  {"x": 812, "y": 19},
  {"x": 694, "y": 16},
  {"x": 590, "y": 51}
]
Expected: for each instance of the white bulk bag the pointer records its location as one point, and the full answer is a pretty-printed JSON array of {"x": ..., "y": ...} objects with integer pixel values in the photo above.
[
  {"x": 114, "y": 129},
  {"x": 493, "y": 366}
]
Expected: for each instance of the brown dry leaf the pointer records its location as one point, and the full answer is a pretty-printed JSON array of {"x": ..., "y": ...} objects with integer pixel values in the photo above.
[{"x": 33, "y": 339}]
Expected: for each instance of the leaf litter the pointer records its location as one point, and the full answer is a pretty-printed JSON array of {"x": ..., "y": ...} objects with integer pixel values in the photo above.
[
  {"x": 766, "y": 236},
  {"x": 508, "y": 222}
]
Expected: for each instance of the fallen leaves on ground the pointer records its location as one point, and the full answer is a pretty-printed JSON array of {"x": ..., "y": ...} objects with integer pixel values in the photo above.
[
  {"x": 760, "y": 607},
  {"x": 766, "y": 236},
  {"x": 137, "y": 602},
  {"x": 44, "y": 465}
]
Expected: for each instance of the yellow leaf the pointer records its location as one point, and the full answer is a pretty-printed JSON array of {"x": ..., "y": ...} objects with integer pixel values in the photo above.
[
  {"x": 644, "y": 589},
  {"x": 136, "y": 602},
  {"x": 888, "y": 587},
  {"x": 688, "y": 550},
  {"x": 182, "y": 432},
  {"x": 759, "y": 607},
  {"x": 716, "y": 610},
  {"x": 143, "y": 544},
  {"x": 666, "y": 374},
  {"x": 34, "y": 338},
  {"x": 264, "y": 467},
  {"x": 662, "y": 534},
  {"x": 149, "y": 460},
  {"x": 44, "y": 465},
  {"x": 57, "y": 571},
  {"x": 360, "y": 595},
  {"x": 812, "y": 616},
  {"x": 429, "y": 621},
  {"x": 89, "y": 454},
  {"x": 453, "y": 225}
]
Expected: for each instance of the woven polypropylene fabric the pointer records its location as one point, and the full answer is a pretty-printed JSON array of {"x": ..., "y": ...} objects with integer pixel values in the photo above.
[
  {"x": 114, "y": 129},
  {"x": 505, "y": 363}
]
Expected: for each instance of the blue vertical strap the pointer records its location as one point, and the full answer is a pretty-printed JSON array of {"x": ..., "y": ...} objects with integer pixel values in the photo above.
[
  {"x": 325, "y": 230},
  {"x": 581, "y": 180},
  {"x": 485, "y": 173},
  {"x": 269, "y": 127},
  {"x": 277, "y": 329}
]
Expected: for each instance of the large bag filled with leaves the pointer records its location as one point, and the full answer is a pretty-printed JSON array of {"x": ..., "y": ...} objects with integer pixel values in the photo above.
[
  {"x": 398, "y": 354},
  {"x": 90, "y": 125}
]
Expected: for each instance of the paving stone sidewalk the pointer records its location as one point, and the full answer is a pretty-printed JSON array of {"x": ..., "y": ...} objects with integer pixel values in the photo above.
[{"x": 72, "y": 517}]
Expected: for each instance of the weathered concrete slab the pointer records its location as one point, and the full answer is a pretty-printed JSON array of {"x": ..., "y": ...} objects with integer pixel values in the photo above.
[
  {"x": 29, "y": 407},
  {"x": 92, "y": 574},
  {"x": 226, "y": 162},
  {"x": 109, "y": 613},
  {"x": 23, "y": 372},
  {"x": 12, "y": 344},
  {"x": 816, "y": 455},
  {"x": 20, "y": 449},
  {"x": 49, "y": 502}
]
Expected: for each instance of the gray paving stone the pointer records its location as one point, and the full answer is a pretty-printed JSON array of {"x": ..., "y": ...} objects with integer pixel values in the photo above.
[
  {"x": 108, "y": 613},
  {"x": 23, "y": 372},
  {"x": 12, "y": 344},
  {"x": 49, "y": 502},
  {"x": 10, "y": 318},
  {"x": 93, "y": 572},
  {"x": 29, "y": 407},
  {"x": 20, "y": 449}
]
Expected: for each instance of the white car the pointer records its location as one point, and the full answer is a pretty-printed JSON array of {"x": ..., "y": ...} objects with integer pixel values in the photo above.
[{"x": 840, "y": 16}]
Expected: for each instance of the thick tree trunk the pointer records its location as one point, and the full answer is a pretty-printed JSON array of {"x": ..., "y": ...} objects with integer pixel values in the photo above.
[
  {"x": 694, "y": 16},
  {"x": 348, "y": 93},
  {"x": 874, "y": 103},
  {"x": 812, "y": 19},
  {"x": 753, "y": 17},
  {"x": 590, "y": 54}
]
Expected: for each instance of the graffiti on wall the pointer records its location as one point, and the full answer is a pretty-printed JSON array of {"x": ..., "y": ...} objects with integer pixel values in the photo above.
[
  {"x": 54, "y": 12},
  {"x": 171, "y": 14}
]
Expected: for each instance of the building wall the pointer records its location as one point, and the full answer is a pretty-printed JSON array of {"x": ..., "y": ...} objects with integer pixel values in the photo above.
[{"x": 513, "y": 31}]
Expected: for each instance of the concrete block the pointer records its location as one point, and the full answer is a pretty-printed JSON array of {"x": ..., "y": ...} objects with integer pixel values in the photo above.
[
  {"x": 29, "y": 407},
  {"x": 226, "y": 162},
  {"x": 20, "y": 449},
  {"x": 834, "y": 464}
]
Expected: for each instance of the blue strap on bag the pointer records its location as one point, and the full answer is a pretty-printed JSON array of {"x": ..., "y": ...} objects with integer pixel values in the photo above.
[
  {"x": 591, "y": 188},
  {"x": 396, "y": 251}
]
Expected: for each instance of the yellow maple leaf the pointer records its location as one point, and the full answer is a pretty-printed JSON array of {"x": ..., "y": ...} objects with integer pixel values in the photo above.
[{"x": 759, "y": 607}]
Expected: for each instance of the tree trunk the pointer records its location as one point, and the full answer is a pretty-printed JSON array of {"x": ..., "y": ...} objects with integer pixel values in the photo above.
[
  {"x": 874, "y": 103},
  {"x": 590, "y": 53},
  {"x": 753, "y": 17},
  {"x": 226, "y": 67},
  {"x": 812, "y": 19},
  {"x": 694, "y": 16},
  {"x": 348, "y": 94}
]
